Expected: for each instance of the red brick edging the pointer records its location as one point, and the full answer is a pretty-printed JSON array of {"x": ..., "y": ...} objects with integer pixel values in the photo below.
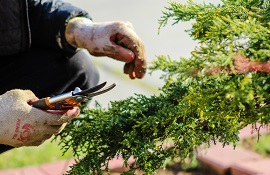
[{"x": 238, "y": 161}]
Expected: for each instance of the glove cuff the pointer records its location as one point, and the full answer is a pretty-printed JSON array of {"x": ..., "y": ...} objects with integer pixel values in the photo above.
[{"x": 77, "y": 28}]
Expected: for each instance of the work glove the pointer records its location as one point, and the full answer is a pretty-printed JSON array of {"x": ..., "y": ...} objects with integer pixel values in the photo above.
[
  {"x": 24, "y": 125},
  {"x": 117, "y": 40}
]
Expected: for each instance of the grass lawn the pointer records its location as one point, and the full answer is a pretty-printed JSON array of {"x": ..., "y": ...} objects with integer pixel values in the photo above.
[
  {"x": 261, "y": 145},
  {"x": 27, "y": 156}
]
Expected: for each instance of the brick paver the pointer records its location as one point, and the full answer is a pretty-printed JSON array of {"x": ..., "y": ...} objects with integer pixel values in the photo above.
[
  {"x": 221, "y": 158},
  {"x": 55, "y": 168},
  {"x": 238, "y": 161},
  {"x": 261, "y": 166}
]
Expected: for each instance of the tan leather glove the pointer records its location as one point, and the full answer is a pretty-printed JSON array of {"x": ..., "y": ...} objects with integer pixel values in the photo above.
[
  {"x": 116, "y": 39},
  {"x": 23, "y": 125}
]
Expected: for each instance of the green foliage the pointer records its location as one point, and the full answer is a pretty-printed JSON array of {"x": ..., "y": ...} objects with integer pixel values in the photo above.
[{"x": 193, "y": 107}]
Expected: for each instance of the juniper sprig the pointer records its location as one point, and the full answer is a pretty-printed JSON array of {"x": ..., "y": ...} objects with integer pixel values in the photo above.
[{"x": 194, "y": 106}]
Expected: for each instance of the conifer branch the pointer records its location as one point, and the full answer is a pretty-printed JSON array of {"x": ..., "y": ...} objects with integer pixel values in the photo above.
[{"x": 194, "y": 107}]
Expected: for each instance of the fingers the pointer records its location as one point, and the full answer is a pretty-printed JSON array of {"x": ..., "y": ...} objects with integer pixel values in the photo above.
[
  {"x": 56, "y": 118},
  {"x": 130, "y": 50},
  {"x": 46, "y": 125},
  {"x": 118, "y": 51},
  {"x": 133, "y": 71},
  {"x": 129, "y": 69}
]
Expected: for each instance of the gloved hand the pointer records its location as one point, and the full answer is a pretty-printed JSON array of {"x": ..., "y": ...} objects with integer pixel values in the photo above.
[
  {"x": 117, "y": 40},
  {"x": 24, "y": 125}
]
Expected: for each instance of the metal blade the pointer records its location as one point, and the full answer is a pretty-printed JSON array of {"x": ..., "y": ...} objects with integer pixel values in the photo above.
[
  {"x": 90, "y": 90},
  {"x": 102, "y": 91}
]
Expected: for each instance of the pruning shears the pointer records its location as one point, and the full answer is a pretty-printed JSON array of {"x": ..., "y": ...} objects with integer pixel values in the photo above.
[{"x": 70, "y": 99}]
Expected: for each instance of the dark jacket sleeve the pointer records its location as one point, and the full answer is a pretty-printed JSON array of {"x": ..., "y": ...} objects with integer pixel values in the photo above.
[{"x": 48, "y": 20}]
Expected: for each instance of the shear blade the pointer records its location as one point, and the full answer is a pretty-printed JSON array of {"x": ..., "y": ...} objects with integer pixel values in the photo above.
[
  {"x": 90, "y": 90},
  {"x": 102, "y": 91}
]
